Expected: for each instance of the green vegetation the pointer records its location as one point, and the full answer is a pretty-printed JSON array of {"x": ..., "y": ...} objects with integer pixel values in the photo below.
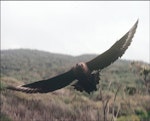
[
  {"x": 4, "y": 117},
  {"x": 123, "y": 93}
]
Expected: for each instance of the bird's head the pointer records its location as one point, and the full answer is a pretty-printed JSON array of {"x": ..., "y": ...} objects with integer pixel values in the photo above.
[{"x": 81, "y": 69}]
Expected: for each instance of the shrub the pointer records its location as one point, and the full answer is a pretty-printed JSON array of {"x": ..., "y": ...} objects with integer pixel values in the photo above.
[
  {"x": 142, "y": 114},
  {"x": 129, "y": 118},
  {"x": 4, "y": 117},
  {"x": 2, "y": 86}
]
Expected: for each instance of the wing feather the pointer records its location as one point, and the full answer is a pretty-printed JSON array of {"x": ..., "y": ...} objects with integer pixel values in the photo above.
[
  {"x": 48, "y": 85},
  {"x": 112, "y": 54}
]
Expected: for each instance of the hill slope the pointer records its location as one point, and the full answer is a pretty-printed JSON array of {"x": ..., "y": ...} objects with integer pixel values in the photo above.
[
  {"x": 24, "y": 66},
  {"x": 30, "y": 65}
]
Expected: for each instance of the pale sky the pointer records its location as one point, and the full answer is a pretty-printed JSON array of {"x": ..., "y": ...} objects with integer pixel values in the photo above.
[{"x": 75, "y": 27}]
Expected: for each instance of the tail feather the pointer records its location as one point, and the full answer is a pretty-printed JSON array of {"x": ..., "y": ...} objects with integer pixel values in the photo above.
[{"x": 23, "y": 89}]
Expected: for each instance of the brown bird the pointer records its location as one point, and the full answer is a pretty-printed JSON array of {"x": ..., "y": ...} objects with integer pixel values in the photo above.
[{"x": 86, "y": 74}]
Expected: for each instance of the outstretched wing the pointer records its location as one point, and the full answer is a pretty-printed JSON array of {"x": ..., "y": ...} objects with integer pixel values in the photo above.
[
  {"x": 48, "y": 85},
  {"x": 112, "y": 54}
]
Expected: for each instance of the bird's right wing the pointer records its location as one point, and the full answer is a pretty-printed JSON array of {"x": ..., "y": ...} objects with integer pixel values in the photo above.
[
  {"x": 48, "y": 85},
  {"x": 112, "y": 54}
]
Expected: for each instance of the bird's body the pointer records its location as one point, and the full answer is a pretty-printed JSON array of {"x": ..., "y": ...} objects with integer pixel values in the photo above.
[
  {"x": 83, "y": 71},
  {"x": 86, "y": 79}
]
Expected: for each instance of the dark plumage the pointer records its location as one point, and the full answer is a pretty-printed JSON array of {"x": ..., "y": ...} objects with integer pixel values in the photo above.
[{"x": 82, "y": 72}]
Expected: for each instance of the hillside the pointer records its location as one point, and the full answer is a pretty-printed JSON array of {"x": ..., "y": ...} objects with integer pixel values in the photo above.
[
  {"x": 24, "y": 66},
  {"x": 31, "y": 65}
]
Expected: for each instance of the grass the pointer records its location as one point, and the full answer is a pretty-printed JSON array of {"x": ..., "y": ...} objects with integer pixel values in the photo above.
[{"x": 70, "y": 106}]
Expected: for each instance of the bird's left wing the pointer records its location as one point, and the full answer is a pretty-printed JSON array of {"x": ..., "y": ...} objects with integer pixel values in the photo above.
[
  {"x": 48, "y": 85},
  {"x": 112, "y": 54}
]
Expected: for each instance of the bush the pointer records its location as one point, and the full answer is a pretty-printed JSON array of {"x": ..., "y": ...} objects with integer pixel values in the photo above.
[
  {"x": 129, "y": 118},
  {"x": 142, "y": 114},
  {"x": 2, "y": 86},
  {"x": 4, "y": 117}
]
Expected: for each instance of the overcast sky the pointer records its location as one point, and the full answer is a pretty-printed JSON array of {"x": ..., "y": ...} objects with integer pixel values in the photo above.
[{"x": 75, "y": 27}]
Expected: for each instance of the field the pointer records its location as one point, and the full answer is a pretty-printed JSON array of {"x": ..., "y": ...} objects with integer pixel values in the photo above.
[{"x": 123, "y": 92}]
